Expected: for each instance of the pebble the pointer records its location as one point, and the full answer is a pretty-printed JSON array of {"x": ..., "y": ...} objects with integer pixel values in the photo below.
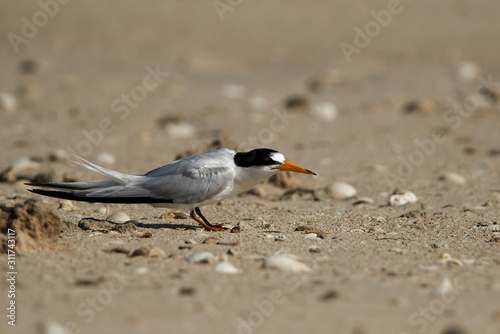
[
  {"x": 466, "y": 71},
  {"x": 341, "y": 190},
  {"x": 324, "y": 111},
  {"x": 420, "y": 107},
  {"x": 7, "y": 103},
  {"x": 226, "y": 268},
  {"x": 25, "y": 163},
  {"x": 102, "y": 209},
  {"x": 398, "y": 200},
  {"x": 148, "y": 252},
  {"x": 59, "y": 155},
  {"x": 52, "y": 327},
  {"x": 174, "y": 215},
  {"x": 453, "y": 178},
  {"x": 233, "y": 91},
  {"x": 211, "y": 241},
  {"x": 181, "y": 129},
  {"x": 118, "y": 217},
  {"x": 285, "y": 262},
  {"x": 200, "y": 257},
  {"x": 297, "y": 103},
  {"x": 141, "y": 271},
  {"x": 66, "y": 205},
  {"x": 105, "y": 159},
  {"x": 401, "y": 251},
  {"x": 311, "y": 236}
]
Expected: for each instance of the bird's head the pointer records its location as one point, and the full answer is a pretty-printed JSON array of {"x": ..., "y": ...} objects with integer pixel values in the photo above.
[{"x": 267, "y": 160}]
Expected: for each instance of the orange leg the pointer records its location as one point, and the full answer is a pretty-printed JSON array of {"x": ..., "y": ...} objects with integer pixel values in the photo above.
[{"x": 204, "y": 222}]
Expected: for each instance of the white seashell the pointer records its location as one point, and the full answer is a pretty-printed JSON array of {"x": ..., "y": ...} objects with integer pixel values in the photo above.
[
  {"x": 104, "y": 159},
  {"x": 453, "y": 178},
  {"x": 102, "y": 209},
  {"x": 200, "y": 257},
  {"x": 311, "y": 236},
  {"x": 52, "y": 327},
  {"x": 180, "y": 130},
  {"x": 398, "y": 200},
  {"x": 445, "y": 287},
  {"x": 7, "y": 102},
  {"x": 324, "y": 111},
  {"x": 226, "y": 268},
  {"x": 118, "y": 217},
  {"x": 341, "y": 190},
  {"x": 491, "y": 228},
  {"x": 25, "y": 163},
  {"x": 233, "y": 91},
  {"x": 466, "y": 71},
  {"x": 141, "y": 271},
  {"x": 285, "y": 262}
]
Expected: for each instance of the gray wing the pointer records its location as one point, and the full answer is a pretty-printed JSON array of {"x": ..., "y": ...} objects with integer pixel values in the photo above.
[{"x": 188, "y": 186}]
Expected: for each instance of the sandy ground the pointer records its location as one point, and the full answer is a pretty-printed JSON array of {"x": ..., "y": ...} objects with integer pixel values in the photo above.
[{"x": 229, "y": 73}]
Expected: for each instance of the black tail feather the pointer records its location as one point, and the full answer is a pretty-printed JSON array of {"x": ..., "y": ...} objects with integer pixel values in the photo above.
[{"x": 74, "y": 197}]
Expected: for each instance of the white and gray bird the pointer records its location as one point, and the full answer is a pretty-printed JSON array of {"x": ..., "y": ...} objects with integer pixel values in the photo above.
[{"x": 186, "y": 184}]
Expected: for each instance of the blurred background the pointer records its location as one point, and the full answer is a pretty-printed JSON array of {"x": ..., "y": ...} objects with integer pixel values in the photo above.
[{"x": 67, "y": 66}]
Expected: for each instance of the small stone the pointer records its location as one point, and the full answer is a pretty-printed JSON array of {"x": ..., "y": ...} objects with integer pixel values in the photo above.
[
  {"x": 311, "y": 236},
  {"x": 236, "y": 229},
  {"x": 181, "y": 129},
  {"x": 25, "y": 163},
  {"x": 200, "y": 257},
  {"x": 453, "y": 178},
  {"x": 420, "y": 107},
  {"x": 466, "y": 71},
  {"x": 297, "y": 103},
  {"x": 376, "y": 229},
  {"x": 66, "y": 205},
  {"x": 287, "y": 263},
  {"x": 149, "y": 251},
  {"x": 188, "y": 291},
  {"x": 324, "y": 111},
  {"x": 101, "y": 210},
  {"x": 127, "y": 227},
  {"x": 105, "y": 159},
  {"x": 174, "y": 215},
  {"x": 211, "y": 241},
  {"x": 414, "y": 214},
  {"x": 314, "y": 249},
  {"x": 141, "y": 271},
  {"x": 226, "y": 268},
  {"x": 330, "y": 295},
  {"x": 7, "y": 103},
  {"x": 58, "y": 155},
  {"x": 118, "y": 217},
  {"x": 341, "y": 191}
]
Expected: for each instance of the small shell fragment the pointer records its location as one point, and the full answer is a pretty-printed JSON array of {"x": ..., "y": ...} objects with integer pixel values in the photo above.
[
  {"x": 226, "y": 268},
  {"x": 118, "y": 217},
  {"x": 398, "y": 200},
  {"x": 341, "y": 190},
  {"x": 148, "y": 252},
  {"x": 491, "y": 228},
  {"x": 66, "y": 205},
  {"x": 200, "y": 257},
  {"x": 453, "y": 178},
  {"x": 285, "y": 262}
]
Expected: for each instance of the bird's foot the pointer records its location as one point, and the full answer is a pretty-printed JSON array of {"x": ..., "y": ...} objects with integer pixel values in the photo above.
[{"x": 216, "y": 228}]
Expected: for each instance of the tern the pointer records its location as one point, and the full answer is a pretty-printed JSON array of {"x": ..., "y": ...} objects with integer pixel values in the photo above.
[{"x": 185, "y": 185}]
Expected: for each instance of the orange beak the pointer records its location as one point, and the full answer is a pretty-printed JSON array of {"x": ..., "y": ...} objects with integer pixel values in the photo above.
[{"x": 288, "y": 166}]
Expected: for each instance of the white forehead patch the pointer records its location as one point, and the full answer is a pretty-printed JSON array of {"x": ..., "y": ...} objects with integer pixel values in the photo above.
[{"x": 278, "y": 157}]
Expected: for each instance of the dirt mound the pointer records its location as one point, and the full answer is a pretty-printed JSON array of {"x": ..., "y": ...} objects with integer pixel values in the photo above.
[{"x": 36, "y": 225}]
